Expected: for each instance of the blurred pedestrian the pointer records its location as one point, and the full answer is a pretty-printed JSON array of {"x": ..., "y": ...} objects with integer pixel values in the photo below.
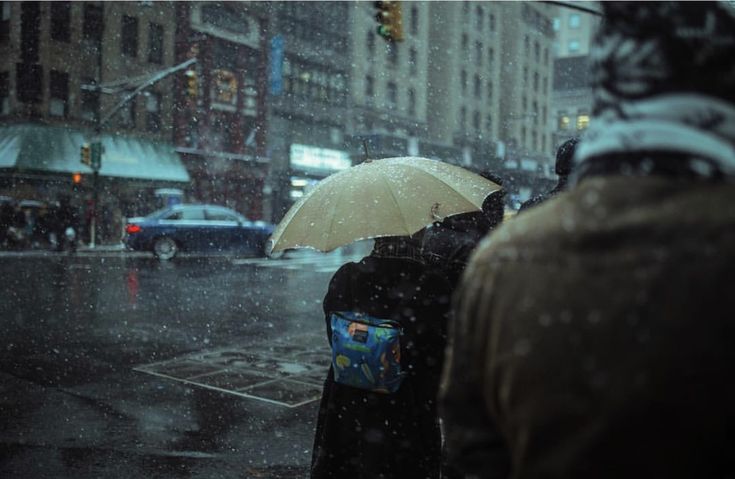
[
  {"x": 66, "y": 217},
  {"x": 594, "y": 334},
  {"x": 563, "y": 169},
  {"x": 370, "y": 433},
  {"x": 6, "y": 221}
]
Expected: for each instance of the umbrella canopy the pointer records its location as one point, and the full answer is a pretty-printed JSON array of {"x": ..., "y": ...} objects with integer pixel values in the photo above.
[{"x": 388, "y": 197}]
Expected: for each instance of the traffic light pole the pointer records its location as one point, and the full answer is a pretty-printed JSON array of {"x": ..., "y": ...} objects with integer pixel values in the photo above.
[{"x": 96, "y": 145}]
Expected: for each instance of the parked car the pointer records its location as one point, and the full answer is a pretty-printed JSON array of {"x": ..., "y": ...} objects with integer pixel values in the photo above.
[{"x": 197, "y": 229}]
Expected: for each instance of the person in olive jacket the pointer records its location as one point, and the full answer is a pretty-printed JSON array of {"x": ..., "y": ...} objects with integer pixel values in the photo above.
[
  {"x": 362, "y": 434},
  {"x": 594, "y": 333}
]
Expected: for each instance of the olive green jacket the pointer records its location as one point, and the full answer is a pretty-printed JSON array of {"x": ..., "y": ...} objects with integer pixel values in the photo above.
[{"x": 595, "y": 337}]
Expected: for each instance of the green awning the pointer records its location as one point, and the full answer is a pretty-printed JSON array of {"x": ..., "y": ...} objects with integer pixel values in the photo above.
[{"x": 52, "y": 149}]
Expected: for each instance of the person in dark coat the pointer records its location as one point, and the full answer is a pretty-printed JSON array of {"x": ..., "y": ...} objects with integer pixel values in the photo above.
[
  {"x": 367, "y": 435},
  {"x": 594, "y": 334},
  {"x": 448, "y": 244},
  {"x": 66, "y": 217},
  {"x": 563, "y": 168},
  {"x": 6, "y": 221}
]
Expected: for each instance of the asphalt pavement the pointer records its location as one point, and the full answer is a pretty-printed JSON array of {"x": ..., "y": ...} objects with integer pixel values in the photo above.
[{"x": 117, "y": 365}]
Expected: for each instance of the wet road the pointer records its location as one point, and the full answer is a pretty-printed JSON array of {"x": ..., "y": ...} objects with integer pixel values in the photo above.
[{"x": 120, "y": 366}]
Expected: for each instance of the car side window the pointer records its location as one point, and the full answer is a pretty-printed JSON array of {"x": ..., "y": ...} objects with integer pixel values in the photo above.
[
  {"x": 176, "y": 215},
  {"x": 218, "y": 215},
  {"x": 193, "y": 214}
]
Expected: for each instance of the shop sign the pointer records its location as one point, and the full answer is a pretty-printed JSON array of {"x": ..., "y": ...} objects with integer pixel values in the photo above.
[{"x": 314, "y": 158}]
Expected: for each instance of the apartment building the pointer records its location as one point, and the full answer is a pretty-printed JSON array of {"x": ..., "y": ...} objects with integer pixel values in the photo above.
[
  {"x": 220, "y": 115},
  {"x": 572, "y": 96},
  {"x": 308, "y": 97},
  {"x": 64, "y": 66}
]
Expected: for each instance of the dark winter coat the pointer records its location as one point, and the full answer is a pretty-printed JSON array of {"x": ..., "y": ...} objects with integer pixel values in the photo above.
[
  {"x": 368, "y": 435},
  {"x": 594, "y": 337}
]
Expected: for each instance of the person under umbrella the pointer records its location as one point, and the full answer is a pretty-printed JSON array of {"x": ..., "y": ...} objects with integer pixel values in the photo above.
[{"x": 363, "y": 433}]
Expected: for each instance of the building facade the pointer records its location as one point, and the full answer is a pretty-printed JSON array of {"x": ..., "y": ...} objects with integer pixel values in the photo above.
[
  {"x": 572, "y": 95},
  {"x": 64, "y": 67},
  {"x": 220, "y": 114},
  {"x": 308, "y": 97}
]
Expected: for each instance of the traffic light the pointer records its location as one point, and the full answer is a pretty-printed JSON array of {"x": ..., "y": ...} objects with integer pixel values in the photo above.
[
  {"x": 86, "y": 155},
  {"x": 390, "y": 22},
  {"x": 192, "y": 85},
  {"x": 76, "y": 178}
]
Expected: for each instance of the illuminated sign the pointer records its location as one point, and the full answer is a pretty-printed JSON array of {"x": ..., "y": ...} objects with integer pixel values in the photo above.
[{"x": 311, "y": 157}]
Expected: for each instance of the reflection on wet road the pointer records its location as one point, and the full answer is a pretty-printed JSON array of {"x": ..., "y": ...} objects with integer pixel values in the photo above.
[{"x": 214, "y": 341}]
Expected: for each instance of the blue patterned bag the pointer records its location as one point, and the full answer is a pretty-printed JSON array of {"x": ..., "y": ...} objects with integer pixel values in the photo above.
[{"x": 366, "y": 352}]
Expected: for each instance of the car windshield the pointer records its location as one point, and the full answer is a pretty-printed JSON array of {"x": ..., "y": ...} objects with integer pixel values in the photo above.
[{"x": 190, "y": 190}]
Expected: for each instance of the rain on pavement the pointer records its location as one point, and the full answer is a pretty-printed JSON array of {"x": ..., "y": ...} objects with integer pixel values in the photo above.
[{"x": 117, "y": 365}]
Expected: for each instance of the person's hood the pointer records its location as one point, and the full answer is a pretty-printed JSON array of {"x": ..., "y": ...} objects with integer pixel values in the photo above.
[{"x": 664, "y": 83}]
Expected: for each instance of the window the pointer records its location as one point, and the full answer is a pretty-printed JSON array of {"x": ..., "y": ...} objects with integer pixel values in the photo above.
[
  {"x": 527, "y": 45},
  {"x": 537, "y": 51},
  {"x": 462, "y": 117},
  {"x": 463, "y": 81},
  {"x": 556, "y": 24},
  {"x": 563, "y": 122},
  {"x": 478, "y": 53},
  {"x": 411, "y": 102},
  {"x": 489, "y": 123},
  {"x": 370, "y": 42},
  {"x": 534, "y": 110},
  {"x": 153, "y": 111},
  {"x": 573, "y": 46},
  {"x": 523, "y": 136},
  {"x": 60, "y": 21},
  {"x": 479, "y": 15},
  {"x": 129, "y": 36},
  {"x": 413, "y": 61},
  {"x": 155, "y": 43},
  {"x": 93, "y": 23},
  {"x": 492, "y": 22},
  {"x": 546, "y": 56},
  {"x": 525, "y": 76},
  {"x": 392, "y": 94},
  {"x": 30, "y": 31},
  {"x": 465, "y": 43},
  {"x": 4, "y": 93},
  {"x": 491, "y": 57},
  {"x": 4, "y": 22},
  {"x": 414, "y": 20},
  {"x": 583, "y": 121},
  {"x": 489, "y": 91},
  {"x": 369, "y": 86},
  {"x": 478, "y": 87},
  {"x": 535, "y": 81},
  {"x": 476, "y": 120},
  {"x": 90, "y": 102},
  {"x": 28, "y": 82},
  {"x": 524, "y": 104},
  {"x": 465, "y": 8},
  {"x": 545, "y": 86},
  {"x": 221, "y": 215},
  {"x": 574, "y": 20},
  {"x": 58, "y": 93}
]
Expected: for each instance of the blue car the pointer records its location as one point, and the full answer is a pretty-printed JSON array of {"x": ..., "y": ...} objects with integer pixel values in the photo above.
[{"x": 196, "y": 229}]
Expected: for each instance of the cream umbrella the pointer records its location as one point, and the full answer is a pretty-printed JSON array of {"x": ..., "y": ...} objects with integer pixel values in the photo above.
[{"x": 388, "y": 197}]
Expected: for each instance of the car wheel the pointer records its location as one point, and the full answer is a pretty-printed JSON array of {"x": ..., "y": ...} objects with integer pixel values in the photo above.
[{"x": 165, "y": 248}]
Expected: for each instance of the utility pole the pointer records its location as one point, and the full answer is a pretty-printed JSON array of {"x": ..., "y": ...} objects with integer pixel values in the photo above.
[{"x": 95, "y": 147}]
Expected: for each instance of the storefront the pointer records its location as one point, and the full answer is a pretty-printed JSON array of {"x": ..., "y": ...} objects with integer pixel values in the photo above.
[
  {"x": 310, "y": 164},
  {"x": 39, "y": 162}
]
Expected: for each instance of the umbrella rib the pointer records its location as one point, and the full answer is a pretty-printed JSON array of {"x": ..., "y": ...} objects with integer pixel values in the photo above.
[
  {"x": 334, "y": 210},
  {"x": 459, "y": 192},
  {"x": 395, "y": 200}
]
